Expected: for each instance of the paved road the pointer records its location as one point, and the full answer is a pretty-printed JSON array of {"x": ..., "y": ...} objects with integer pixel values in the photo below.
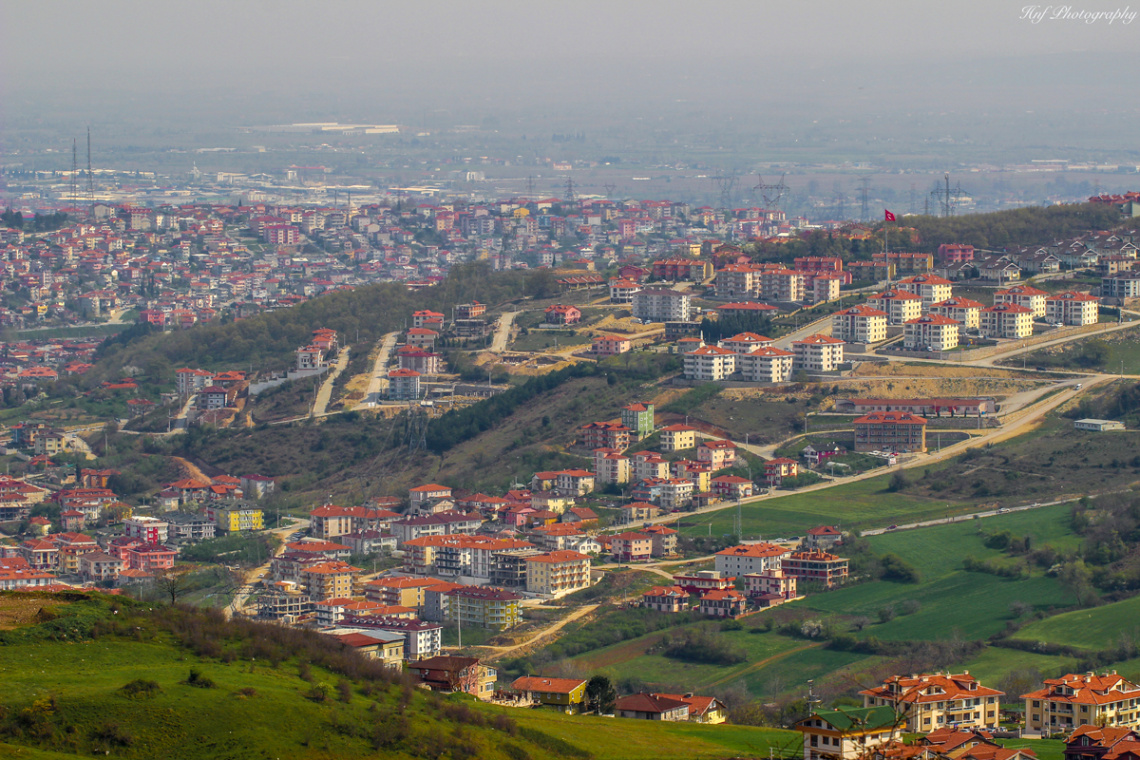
[
  {"x": 324, "y": 395},
  {"x": 1013, "y": 425},
  {"x": 503, "y": 331},
  {"x": 821, "y": 325},
  {"x": 237, "y": 605},
  {"x": 379, "y": 382}
]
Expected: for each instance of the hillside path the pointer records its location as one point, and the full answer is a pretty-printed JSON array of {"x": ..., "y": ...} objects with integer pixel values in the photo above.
[
  {"x": 379, "y": 382},
  {"x": 324, "y": 395},
  {"x": 503, "y": 331},
  {"x": 497, "y": 652}
]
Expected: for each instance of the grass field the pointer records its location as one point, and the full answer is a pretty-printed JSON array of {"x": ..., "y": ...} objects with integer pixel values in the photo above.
[
  {"x": 953, "y": 602},
  {"x": 993, "y": 663},
  {"x": 625, "y": 739},
  {"x": 97, "y": 332},
  {"x": 860, "y": 505},
  {"x": 1093, "y": 629}
]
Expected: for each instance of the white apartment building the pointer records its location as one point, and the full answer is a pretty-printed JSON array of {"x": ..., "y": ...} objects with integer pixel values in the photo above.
[
  {"x": 817, "y": 353},
  {"x": 1007, "y": 320},
  {"x": 931, "y": 288},
  {"x": 931, "y": 332},
  {"x": 1023, "y": 295},
  {"x": 901, "y": 306},
  {"x": 767, "y": 365},
  {"x": 963, "y": 310},
  {"x": 710, "y": 364},
  {"x": 1072, "y": 308},
  {"x": 859, "y": 324},
  {"x": 662, "y": 306}
]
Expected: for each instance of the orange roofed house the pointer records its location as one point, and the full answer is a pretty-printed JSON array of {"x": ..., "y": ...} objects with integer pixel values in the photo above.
[
  {"x": 1082, "y": 699},
  {"x": 933, "y": 701}
]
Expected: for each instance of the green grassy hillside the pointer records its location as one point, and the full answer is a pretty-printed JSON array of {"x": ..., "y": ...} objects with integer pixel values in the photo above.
[{"x": 198, "y": 687}]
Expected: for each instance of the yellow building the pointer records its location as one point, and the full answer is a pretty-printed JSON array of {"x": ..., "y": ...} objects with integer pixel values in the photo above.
[
  {"x": 557, "y": 572},
  {"x": 1082, "y": 699},
  {"x": 485, "y": 607},
  {"x": 329, "y": 580},
  {"x": 567, "y": 694},
  {"x": 678, "y": 437},
  {"x": 237, "y": 518},
  {"x": 934, "y": 701}
]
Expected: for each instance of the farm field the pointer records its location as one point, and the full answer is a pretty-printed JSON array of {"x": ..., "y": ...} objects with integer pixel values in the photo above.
[
  {"x": 1092, "y": 629},
  {"x": 993, "y": 663}
]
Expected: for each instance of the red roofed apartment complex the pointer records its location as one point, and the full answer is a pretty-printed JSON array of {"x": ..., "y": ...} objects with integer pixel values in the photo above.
[
  {"x": 890, "y": 431},
  {"x": 1082, "y": 699},
  {"x": 930, "y": 702},
  {"x": 749, "y": 558}
]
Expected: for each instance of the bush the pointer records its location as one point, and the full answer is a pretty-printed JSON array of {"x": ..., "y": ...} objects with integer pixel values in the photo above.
[
  {"x": 199, "y": 681},
  {"x": 141, "y": 689},
  {"x": 895, "y": 568},
  {"x": 700, "y": 645}
]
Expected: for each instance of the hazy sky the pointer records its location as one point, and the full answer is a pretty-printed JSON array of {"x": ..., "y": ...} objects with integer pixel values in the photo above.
[
  {"x": 258, "y": 61},
  {"x": 49, "y": 42}
]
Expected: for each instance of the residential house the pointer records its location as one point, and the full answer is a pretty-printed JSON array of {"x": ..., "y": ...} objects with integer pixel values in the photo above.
[
  {"x": 938, "y": 700},
  {"x": 649, "y": 707},
  {"x": 931, "y": 288},
  {"x": 709, "y": 364},
  {"x": 666, "y": 599},
  {"x": 453, "y": 675},
  {"x": 1089, "y": 742},
  {"x": 562, "y": 314},
  {"x": 890, "y": 431},
  {"x": 720, "y": 454},
  {"x": 749, "y": 558},
  {"x": 723, "y": 603},
  {"x": 631, "y": 547},
  {"x": 1078, "y": 699},
  {"x": 770, "y": 587},
  {"x": 656, "y": 305},
  {"x": 701, "y": 709},
  {"x": 848, "y": 733},
  {"x": 638, "y": 511},
  {"x": 639, "y": 418},
  {"x": 611, "y": 345},
  {"x": 732, "y": 487},
  {"x": 565, "y": 694},
  {"x": 664, "y": 540},
  {"x": 816, "y": 566},
  {"x": 775, "y": 470},
  {"x": 484, "y": 607}
]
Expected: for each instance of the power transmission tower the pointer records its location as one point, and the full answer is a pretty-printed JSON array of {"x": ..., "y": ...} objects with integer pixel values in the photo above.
[
  {"x": 570, "y": 189},
  {"x": 530, "y": 187},
  {"x": 772, "y": 194},
  {"x": 90, "y": 179},
  {"x": 415, "y": 429},
  {"x": 946, "y": 197},
  {"x": 840, "y": 204},
  {"x": 913, "y": 198},
  {"x": 609, "y": 186},
  {"x": 865, "y": 198},
  {"x": 727, "y": 186},
  {"x": 74, "y": 173}
]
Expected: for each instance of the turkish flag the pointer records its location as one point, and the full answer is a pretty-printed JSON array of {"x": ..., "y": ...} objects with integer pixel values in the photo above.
[{"x": 888, "y": 216}]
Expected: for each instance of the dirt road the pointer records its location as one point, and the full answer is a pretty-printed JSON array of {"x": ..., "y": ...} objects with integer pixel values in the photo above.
[
  {"x": 499, "y": 652},
  {"x": 503, "y": 331},
  {"x": 379, "y": 381},
  {"x": 324, "y": 395}
]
